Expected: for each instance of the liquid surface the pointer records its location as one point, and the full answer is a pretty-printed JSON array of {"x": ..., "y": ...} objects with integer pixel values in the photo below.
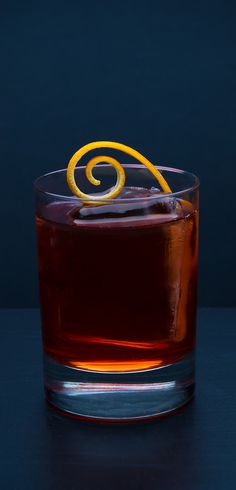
[{"x": 118, "y": 283}]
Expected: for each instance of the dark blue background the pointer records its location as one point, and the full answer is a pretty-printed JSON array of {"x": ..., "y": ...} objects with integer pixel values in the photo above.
[{"x": 159, "y": 76}]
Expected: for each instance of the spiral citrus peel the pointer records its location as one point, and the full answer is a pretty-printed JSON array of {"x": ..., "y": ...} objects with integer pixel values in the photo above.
[{"x": 120, "y": 182}]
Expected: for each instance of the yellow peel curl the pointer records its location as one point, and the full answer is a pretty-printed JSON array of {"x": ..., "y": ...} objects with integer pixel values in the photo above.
[{"x": 120, "y": 182}]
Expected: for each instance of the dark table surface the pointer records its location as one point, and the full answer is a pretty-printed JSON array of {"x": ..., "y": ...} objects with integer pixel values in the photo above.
[{"x": 194, "y": 449}]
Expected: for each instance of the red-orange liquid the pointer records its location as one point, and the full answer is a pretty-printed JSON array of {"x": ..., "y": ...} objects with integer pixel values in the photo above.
[{"x": 117, "y": 294}]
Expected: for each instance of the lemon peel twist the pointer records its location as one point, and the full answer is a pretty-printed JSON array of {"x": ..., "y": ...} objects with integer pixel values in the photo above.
[{"x": 120, "y": 182}]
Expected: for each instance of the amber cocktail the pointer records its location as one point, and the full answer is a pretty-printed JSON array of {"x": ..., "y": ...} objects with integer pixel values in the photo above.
[{"x": 118, "y": 294}]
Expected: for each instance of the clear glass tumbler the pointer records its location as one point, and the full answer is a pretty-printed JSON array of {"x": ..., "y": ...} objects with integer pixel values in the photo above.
[{"x": 118, "y": 283}]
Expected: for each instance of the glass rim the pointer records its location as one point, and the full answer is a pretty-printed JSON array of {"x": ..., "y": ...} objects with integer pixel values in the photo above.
[{"x": 195, "y": 185}]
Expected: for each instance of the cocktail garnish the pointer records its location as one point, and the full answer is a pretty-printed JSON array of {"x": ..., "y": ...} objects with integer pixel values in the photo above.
[{"x": 120, "y": 182}]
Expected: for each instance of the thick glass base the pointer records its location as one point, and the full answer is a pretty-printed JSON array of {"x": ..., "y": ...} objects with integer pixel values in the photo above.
[{"x": 119, "y": 397}]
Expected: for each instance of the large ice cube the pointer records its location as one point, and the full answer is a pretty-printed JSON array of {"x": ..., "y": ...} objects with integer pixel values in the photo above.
[{"x": 139, "y": 204}]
